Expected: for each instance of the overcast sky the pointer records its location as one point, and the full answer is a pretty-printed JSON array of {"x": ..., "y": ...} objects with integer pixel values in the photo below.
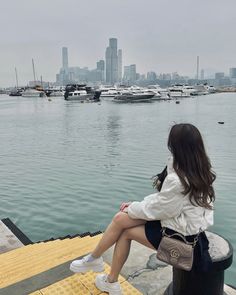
[{"x": 158, "y": 35}]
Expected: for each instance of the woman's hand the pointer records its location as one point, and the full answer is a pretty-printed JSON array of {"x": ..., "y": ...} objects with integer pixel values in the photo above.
[{"x": 124, "y": 207}]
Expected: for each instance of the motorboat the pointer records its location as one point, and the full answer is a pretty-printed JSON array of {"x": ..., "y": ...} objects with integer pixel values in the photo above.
[
  {"x": 16, "y": 92},
  {"x": 160, "y": 93},
  {"x": 82, "y": 93},
  {"x": 55, "y": 92},
  {"x": 128, "y": 96},
  {"x": 201, "y": 89},
  {"x": 210, "y": 88},
  {"x": 109, "y": 92},
  {"x": 190, "y": 90},
  {"x": 177, "y": 91}
]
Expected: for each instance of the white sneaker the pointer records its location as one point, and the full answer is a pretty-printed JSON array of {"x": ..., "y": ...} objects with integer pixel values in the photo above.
[
  {"x": 83, "y": 265},
  {"x": 102, "y": 284}
]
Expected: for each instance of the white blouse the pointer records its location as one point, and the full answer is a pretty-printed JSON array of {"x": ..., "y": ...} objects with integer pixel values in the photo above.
[{"x": 172, "y": 208}]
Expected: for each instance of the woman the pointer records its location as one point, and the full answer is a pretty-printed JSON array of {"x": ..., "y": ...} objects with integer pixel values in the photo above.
[{"x": 184, "y": 205}]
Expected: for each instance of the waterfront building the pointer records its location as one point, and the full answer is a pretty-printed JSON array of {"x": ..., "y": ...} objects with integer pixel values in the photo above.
[
  {"x": 232, "y": 75},
  {"x": 126, "y": 73},
  {"x": 112, "y": 62},
  {"x": 219, "y": 75},
  {"x": 63, "y": 77},
  {"x": 119, "y": 65},
  {"x": 175, "y": 76},
  {"x": 220, "y": 79},
  {"x": 151, "y": 76},
  {"x": 101, "y": 69},
  {"x": 165, "y": 76},
  {"x": 232, "y": 72},
  {"x": 133, "y": 73},
  {"x": 130, "y": 74}
]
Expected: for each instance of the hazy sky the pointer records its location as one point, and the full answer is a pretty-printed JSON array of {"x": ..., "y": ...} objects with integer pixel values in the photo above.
[{"x": 159, "y": 35}]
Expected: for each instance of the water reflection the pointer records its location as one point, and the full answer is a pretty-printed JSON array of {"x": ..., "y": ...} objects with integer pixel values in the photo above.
[{"x": 113, "y": 132}]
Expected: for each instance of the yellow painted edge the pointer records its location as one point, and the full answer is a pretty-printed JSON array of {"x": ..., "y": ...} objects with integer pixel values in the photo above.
[{"x": 24, "y": 270}]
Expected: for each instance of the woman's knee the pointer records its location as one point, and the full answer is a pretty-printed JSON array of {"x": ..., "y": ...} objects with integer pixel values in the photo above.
[{"x": 120, "y": 219}]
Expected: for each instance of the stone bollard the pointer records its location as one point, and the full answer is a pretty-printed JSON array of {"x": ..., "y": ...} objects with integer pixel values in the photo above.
[{"x": 207, "y": 283}]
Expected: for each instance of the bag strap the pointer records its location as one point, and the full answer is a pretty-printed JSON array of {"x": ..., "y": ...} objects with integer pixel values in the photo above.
[{"x": 193, "y": 244}]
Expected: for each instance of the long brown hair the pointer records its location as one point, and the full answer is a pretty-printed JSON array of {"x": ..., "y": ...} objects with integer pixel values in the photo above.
[{"x": 192, "y": 164}]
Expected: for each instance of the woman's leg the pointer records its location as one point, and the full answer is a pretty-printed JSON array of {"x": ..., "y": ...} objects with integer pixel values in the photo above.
[
  {"x": 122, "y": 249},
  {"x": 120, "y": 222}
]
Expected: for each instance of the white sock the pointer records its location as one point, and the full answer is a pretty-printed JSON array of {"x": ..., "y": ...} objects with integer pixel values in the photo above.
[{"x": 90, "y": 258}]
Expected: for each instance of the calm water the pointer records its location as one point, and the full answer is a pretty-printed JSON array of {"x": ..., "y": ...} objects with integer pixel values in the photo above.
[{"x": 65, "y": 167}]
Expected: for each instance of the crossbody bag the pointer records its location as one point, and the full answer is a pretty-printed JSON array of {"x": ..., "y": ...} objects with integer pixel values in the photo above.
[{"x": 178, "y": 253}]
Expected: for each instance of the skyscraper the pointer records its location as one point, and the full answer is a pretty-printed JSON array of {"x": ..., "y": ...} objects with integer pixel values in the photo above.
[
  {"x": 65, "y": 59},
  {"x": 112, "y": 62},
  {"x": 119, "y": 65},
  {"x": 101, "y": 68},
  {"x": 232, "y": 73},
  {"x": 63, "y": 77},
  {"x": 130, "y": 74}
]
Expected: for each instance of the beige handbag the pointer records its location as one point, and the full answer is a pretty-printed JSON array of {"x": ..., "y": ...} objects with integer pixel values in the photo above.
[{"x": 175, "y": 252}]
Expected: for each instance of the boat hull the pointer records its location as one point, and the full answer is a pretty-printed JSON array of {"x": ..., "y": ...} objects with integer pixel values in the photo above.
[{"x": 134, "y": 97}]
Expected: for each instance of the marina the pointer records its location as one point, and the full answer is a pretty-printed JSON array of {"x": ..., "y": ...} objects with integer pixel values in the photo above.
[
  {"x": 66, "y": 167},
  {"x": 82, "y": 92}
]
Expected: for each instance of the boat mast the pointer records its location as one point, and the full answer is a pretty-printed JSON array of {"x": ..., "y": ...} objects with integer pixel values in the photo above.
[
  {"x": 16, "y": 78},
  {"x": 33, "y": 71}
]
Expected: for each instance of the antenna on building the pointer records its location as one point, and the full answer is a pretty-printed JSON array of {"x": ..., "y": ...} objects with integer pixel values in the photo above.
[
  {"x": 33, "y": 71},
  {"x": 16, "y": 78},
  {"x": 197, "y": 67}
]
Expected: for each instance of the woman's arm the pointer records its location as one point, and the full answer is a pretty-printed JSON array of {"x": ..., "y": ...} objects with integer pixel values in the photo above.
[{"x": 163, "y": 205}]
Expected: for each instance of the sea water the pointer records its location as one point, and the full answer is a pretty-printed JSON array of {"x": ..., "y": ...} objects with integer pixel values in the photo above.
[{"x": 65, "y": 167}]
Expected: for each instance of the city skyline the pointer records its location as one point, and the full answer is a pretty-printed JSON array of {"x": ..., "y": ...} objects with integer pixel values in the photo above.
[{"x": 160, "y": 36}]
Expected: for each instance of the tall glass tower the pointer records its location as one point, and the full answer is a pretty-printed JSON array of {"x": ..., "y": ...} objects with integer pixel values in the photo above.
[
  {"x": 112, "y": 62},
  {"x": 119, "y": 65},
  {"x": 65, "y": 59}
]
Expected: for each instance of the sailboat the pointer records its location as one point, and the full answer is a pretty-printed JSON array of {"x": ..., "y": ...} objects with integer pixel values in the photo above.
[
  {"x": 16, "y": 91},
  {"x": 35, "y": 91}
]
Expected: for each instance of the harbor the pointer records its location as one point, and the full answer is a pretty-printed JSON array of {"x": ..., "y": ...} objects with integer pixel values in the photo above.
[
  {"x": 70, "y": 165},
  {"x": 96, "y": 98},
  {"x": 82, "y": 92}
]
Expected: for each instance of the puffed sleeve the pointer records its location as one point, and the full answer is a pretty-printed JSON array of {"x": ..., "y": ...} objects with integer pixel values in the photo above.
[{"x": 167, "y": 203}]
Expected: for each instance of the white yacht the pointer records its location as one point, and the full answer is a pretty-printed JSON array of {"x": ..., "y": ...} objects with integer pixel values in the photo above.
[
  {"x": 210, "y": 88},
  {"x": 82, "y": 93},
  {"x": 31, "y": 92},
  {"x": 55, "y": 91},
  {"x": 201, "y": 89},
  {"x": 176, "y": 91},
  {"x": 160, "y": 93},
  {"x": 190, "y": 90},
  {"x": 109, "y": 92}
]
